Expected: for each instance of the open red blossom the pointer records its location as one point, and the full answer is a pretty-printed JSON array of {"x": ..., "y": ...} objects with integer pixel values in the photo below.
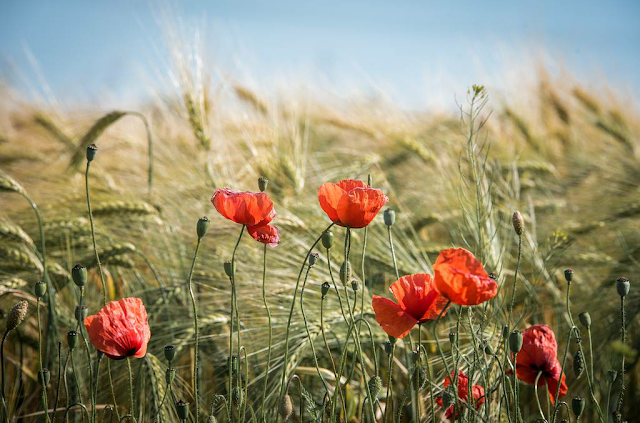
[
  {"x": 120, "y": 329},
  {"x": 463, "y": 394},
  {"x": 351, "y": 203},
  {"x": 418, "y": 301},
  {"x": 243, "y": 207},
  {"x": 267, "y": 234},
  {"x": 539, "y": 354},
  {"x": 461, "y": 278}
]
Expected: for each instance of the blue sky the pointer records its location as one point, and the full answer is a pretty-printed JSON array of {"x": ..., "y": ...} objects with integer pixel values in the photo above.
[{"x": 413, "y": 50}]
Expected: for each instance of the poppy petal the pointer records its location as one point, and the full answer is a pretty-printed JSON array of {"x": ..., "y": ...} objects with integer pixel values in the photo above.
[
  {"x": 358, "y": 207},
  {"x": 329, "y": 195},
  {"x": 461, "y": 278},
  {"x": 391, "y": 318},
  {"x": 266, "y": 234}
]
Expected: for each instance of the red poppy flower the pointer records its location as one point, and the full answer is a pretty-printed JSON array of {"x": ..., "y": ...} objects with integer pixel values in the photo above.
[
  {"x": 350, "y": 202},
  {"x": 266, "y": 234},
  {"x": 539, "y": 354},
  {"x": 418, "y": 301},
  {"x": 463, "y": 394},
  {"x": 460, "y": 277},
  {"x": 120, "y": 329},
  {"x": 243, "y": 207}
]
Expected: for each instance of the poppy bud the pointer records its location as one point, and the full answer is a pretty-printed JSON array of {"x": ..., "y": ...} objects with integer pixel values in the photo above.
[
  {"x": 578, "y": 363},
  {"x": 169, "y": 375},
  {"x": 202, "y": 226},
  {"x": 92, "y": 150},
  {"x": 40, "y": 289},
  {"x": 44, "y": 377},
  {"x": 612, "y": 375},
  {"x": 452, "y": 337},
  {"x": 515, "y": 341},
  {"x": 17, "y": 314},
  {"x": 623, "y": 286},
  {"x": 79, "y": 275},
  {"x": 388, "y": 347},
  {"x": 568, "y": 275},
  {"x": 375, "y": 386},
  {"x": 263, "y": 183},
  {"x": 354, "y": 285},
  {"x": 229, "y": 268},
  {"x": 313, "y": 259},
  {"x": 182, "y": 408},
  {"x": 345, "y": 272},
  {"x": 327, "y": 240},
  {"x": 286, "y": 407},
  {"x": 169, "y": 353},
  {"x": 389, "y": 216},
  {"x": 81, "y": 313},
  {"x": 392, "y": 340},
  {"x": 325, "y": 289},
  {"x": 585, "y": 319},
  {"x": 577, "y": 405},
  {"x": 236, "y": 396},
  {"x": 72, "y": 339},
  {"x": 518, "y": 223}
]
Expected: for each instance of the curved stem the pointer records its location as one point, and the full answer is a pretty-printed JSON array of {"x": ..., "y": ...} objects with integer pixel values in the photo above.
[
  {"x": 266, "y": 306},
  {"x": 195, "y": 325}
]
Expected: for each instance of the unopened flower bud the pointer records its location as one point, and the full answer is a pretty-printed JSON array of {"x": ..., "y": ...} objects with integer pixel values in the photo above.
[
  {"x": 585, "y": 319},
  {"x": 612, "y": 375},
  {"x": 169, "y": 375},
  {"x": 286, "y": 407},
  {"x": 182, "y": 408},
  {"x": 375, "y": 386},
  {"x": 578, "y": 363},
  {"x": 389, "y": 216},
  {"x": 92, "y": 150},
  {"x": 17, "y": 314},
  {"x": 345, "y": 272},
  {"x": 169, "y": 353},
  {"x": 229, "y": 268},
  {"x": 79, "y": 275},
  {"x": 313, "y": 259},
  {"x": 325, "y": 289},
  {"x": 44, "y": 377},
  {"x": 518, "y": 223},
  {"x": 515, "y": 341},
  {"x": 202, "y": 226},
  {"x": 262, "y": 183},
  {"x": 623, "y": 286},
  {"x": 72, "y": 339},
  {"x": 327, "y": 240},
  {"x": 577, "y": 405},
  {"x": 568, "y": 275},
  {"x": 81, "y": 313},
  {"x": 40, "y": 289}
]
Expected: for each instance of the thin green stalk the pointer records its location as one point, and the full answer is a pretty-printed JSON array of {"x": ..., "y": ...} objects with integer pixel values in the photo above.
[
  {"x": 535, "y": 388},
  {"x": 40, "y": 375},
  {"x": 266, "y": 306},
  {"x": 195, "y": 324},
  {"x": 132, "y": 409}
]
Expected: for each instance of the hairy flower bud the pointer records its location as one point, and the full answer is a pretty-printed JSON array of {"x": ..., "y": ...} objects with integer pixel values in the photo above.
[
  {"x": 577, "y": 405},
  {"x": 202, "y": 226},
  {"x": 623, "y": 286},
  {"x": 515, "y": 341},
  {"x": 229, "y": 268},
  {"x": 79, "y": 275},
  {"x": 40, "y": 288},
  {"x": 72, "y": 339},
  {"x": 389, "y": 217},
  {"x": 263, "y": 183},
  {"x": 325, "y": 289},
  {"x": 345, "y": 272},
  {"x": 327, "y": 240},
  {"x": 518, "y": 223},
  {"x": 585, "y": 319},
  {"x": 182, "y": 408},
  {"x": 286, "y": 407},
  {"x": 568, "y": 275},
  {"x": 92, "y": 150},
  {"x": 169, "y": 353},
  {"x": 313, "y": 259},
  {"x": 17, "y": 314}
]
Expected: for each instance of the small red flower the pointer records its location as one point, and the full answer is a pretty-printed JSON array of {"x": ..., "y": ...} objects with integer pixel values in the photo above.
[
  {"x": 266, "y": 234},
  {"x": 350, "y": 202},
  {"x": 539, "y": 354},
  {"x": 460, "y": 277},
  {"x": 463, "y": 394},
  {"x": 243, "y": 207},
  {"x": 120, "y": 329},
  {"x": 418, "y": 301}
]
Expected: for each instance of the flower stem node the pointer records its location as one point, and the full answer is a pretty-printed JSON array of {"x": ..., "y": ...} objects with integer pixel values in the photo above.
[
  {"x": 17, "y": 314},
  {"x": 263, "y": 183},
  {"x": 585, "y": 319},
  {"x": 72, "y": 339},
  {"x": 518, "y": 223},
  {"x": 79, "y": 275},
  {"x": 182, "y": 408},
  {"x": 44, "y": 377},
  {"x": 389, "y": 216},
  {"x": 229, "y": 268},
  {"x": 327, "y": 240},
  {"x": 325, "y": 289},
  {"x": 286, "y": 407},
  {"x": 515, "y": 341},
  {"x": 623, "y": 286},
  {"x": 40, "y": 289},
  {"x": 313, "y": 259},
  {"x": 568, "y": 275},
  {"x": 202, "y": 226},
  {"x": 169, "y": 353},
  {"x": 345, "y": 272},
  {"x": 92, "y": 150},
  {"x": 577, "y": 405},
  {"x": 81, "y": 313}
]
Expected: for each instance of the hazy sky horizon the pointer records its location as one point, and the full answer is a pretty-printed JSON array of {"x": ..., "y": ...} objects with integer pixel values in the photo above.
[{"x": 416, "y": 52}]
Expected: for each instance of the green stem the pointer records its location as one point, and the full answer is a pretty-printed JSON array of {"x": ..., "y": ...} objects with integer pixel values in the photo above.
[
  {"x": 266, "y": 306},
  {"x": 195, "y": 325}
]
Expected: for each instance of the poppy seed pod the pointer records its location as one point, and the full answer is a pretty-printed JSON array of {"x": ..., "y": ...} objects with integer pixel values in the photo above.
[
  {"x": 263, "y": 183},
  {"x": 286, "y": 407},
  {"x": 72, "y": 339},
  {"x": 79, "y": 275},
  {"x": 182, "y": 408},
  {"x": 313, "y": 259},
  {"x": 229, "y": 268},
  {"x": 202, "y": 226},
  {"x": 169, "y": 353},
  {"x": 345, "y": 272},
  {"x": 585, "y": 319},
  {"x": 40, "y": 289},
  {"x": 578, "y": 363},
  {"x": 327, "y": 240},
  {"x": 81, "y": 313},
  {"x": 623, "y": 286},
  {"x": 389, "y": 216},
  {"x": 169, "y": 375},
  {"x": 44, "y": 377},
  {"x": 17, "y": 314},
  {"x": 577, "y": 405},
  {"x": 325, "y": 289},
  {"x": 568, "y": 275},
  {"x": 518, "y": 223},
  {"x": 515, "y": 341},
  {"x": 375, "y": 386},
  {"x": 92, "y": 150}
]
